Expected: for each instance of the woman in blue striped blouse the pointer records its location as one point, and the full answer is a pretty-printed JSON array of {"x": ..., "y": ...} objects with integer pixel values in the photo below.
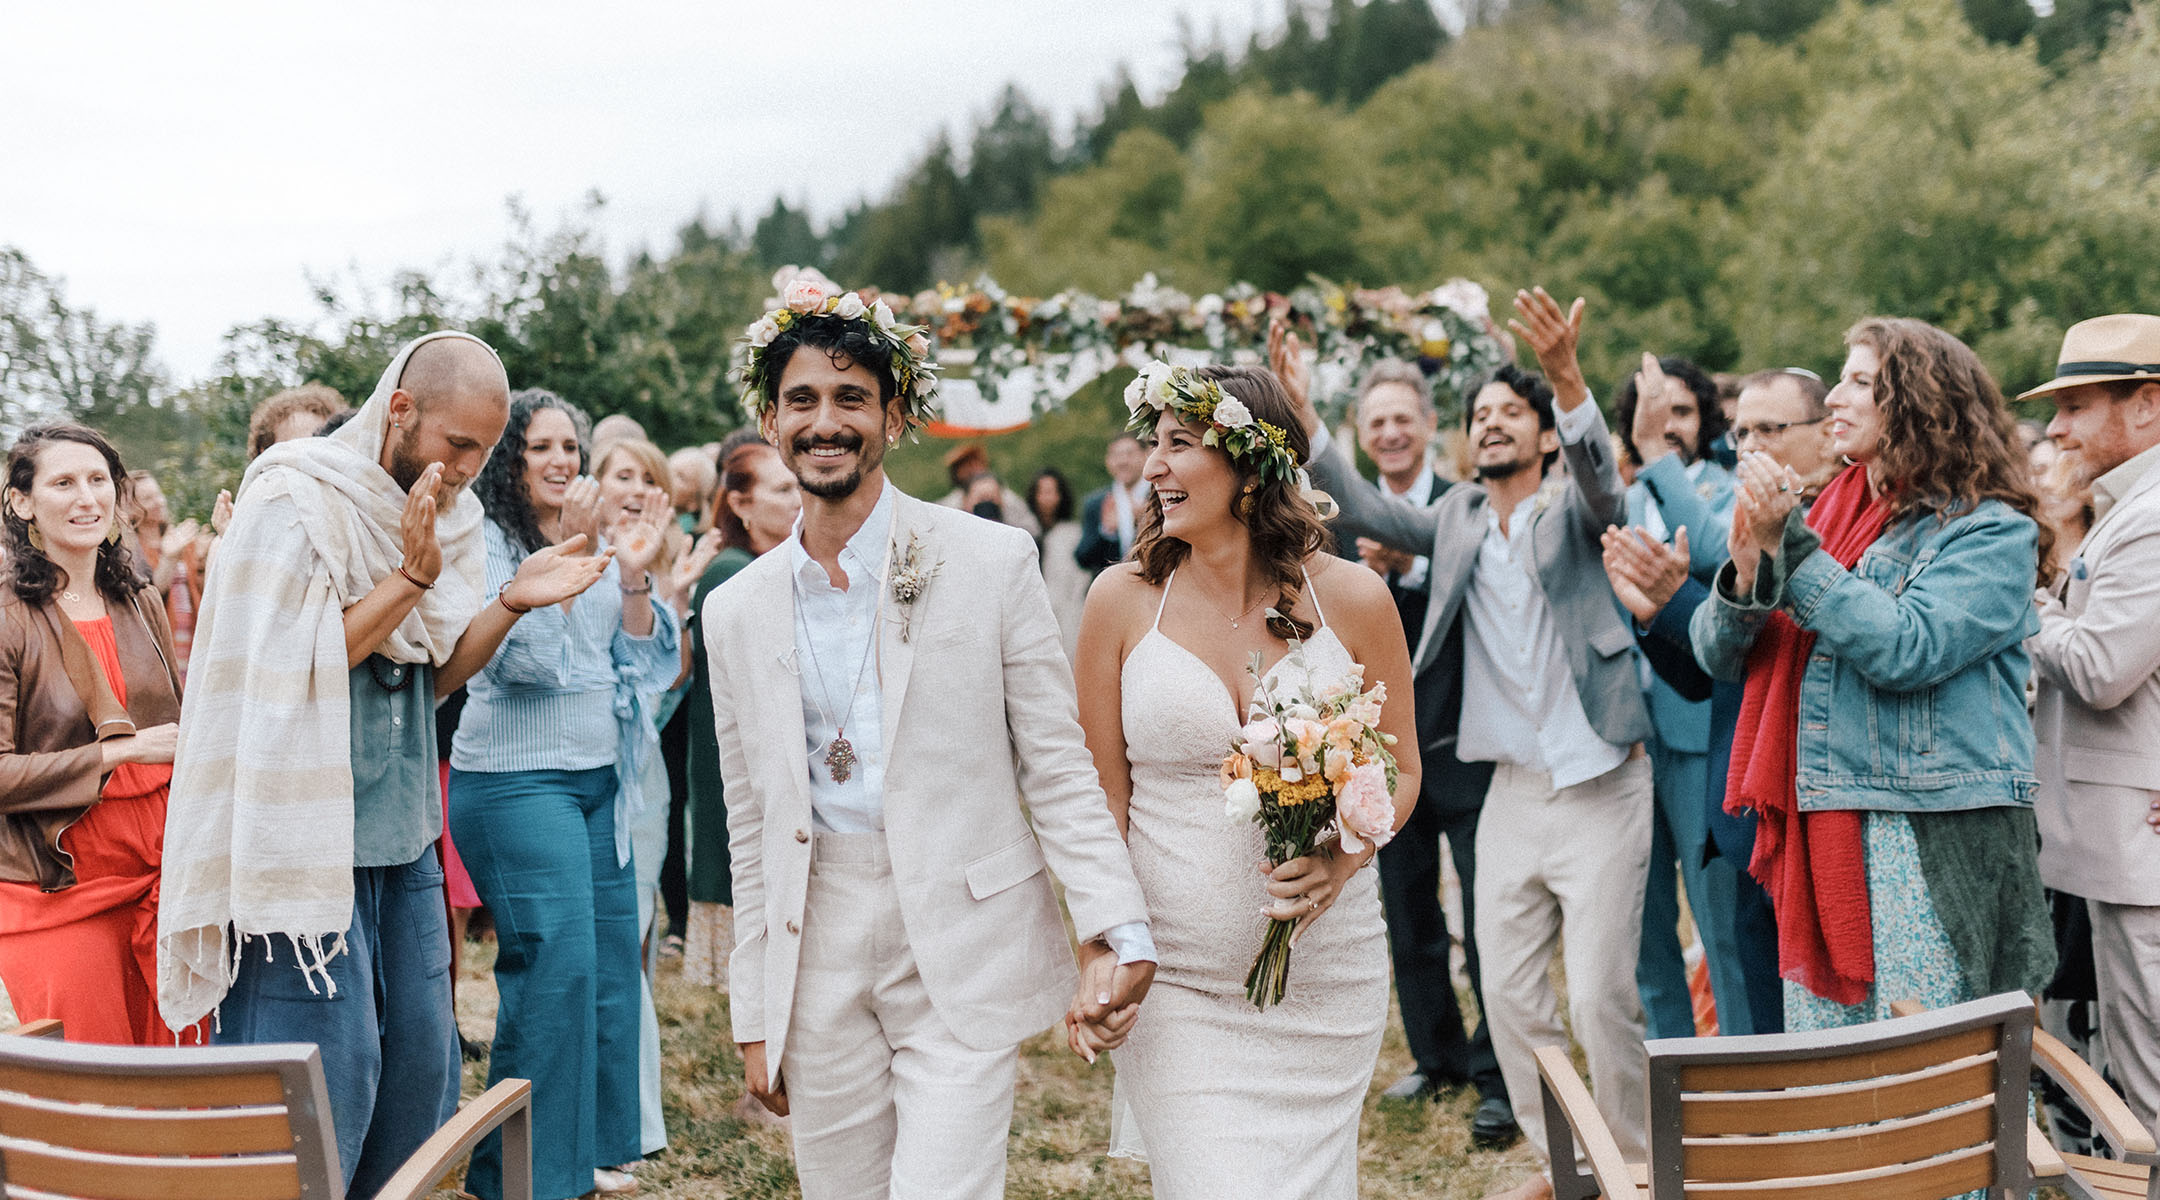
[{"x": 541, "y": 818}]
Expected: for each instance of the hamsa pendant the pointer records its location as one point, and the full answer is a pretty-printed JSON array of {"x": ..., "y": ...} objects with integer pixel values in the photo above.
[{"x": 840, "y": 759}]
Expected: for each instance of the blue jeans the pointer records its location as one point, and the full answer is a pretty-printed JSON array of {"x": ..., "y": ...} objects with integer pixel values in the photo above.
[
  {"x": 388, "y": 1038},
  {"x": 541, "y": 849}
]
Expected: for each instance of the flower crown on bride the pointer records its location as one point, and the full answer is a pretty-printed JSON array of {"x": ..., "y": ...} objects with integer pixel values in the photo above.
[
  {"x": 1261, "y": 446},
  {"x": 808, "y": 296}
]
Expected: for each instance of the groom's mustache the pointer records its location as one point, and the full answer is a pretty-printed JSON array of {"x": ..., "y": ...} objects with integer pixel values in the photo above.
[{"x": 846, "y": 441}]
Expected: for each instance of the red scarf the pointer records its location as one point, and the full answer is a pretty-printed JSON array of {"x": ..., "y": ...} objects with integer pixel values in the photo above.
[{"x": 1813, "y": 864}]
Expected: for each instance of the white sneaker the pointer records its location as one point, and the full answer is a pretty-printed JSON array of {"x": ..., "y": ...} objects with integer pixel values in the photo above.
[{"x": 613, "y": 1183}]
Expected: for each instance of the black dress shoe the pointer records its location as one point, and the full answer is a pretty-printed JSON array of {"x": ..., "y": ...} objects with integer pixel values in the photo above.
[{"x": 1493, "y": 1126}]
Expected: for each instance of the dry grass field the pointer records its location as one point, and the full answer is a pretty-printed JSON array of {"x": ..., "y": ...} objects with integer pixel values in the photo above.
[{"x": 1061, "y": 1121}]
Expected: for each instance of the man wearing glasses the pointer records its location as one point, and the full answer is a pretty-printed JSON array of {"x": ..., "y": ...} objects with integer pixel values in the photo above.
[{"x": 1782, "y": 414}]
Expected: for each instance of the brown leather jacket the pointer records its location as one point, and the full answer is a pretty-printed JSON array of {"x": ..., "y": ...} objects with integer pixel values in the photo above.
[{"x": 55, "y": 709}]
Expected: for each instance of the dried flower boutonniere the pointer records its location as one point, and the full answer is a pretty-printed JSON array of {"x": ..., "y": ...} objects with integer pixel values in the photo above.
[{"x": 911, "y": 575}]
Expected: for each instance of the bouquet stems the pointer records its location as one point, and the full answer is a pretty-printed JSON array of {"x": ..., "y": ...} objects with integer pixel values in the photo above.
[{"x": 1269, "y": 978}]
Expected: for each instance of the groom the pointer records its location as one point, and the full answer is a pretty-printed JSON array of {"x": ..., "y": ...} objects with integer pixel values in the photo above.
[{"x": 894, "y": 685}]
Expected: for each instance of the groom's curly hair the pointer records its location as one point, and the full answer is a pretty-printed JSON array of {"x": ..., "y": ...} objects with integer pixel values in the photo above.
[{"x": 1284, "y": 527}]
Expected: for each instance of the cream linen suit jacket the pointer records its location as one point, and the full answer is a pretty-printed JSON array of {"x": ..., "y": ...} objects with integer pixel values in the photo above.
[
  {"x": 979, "y": 715},
  {"x": 2098, "y": 712}
]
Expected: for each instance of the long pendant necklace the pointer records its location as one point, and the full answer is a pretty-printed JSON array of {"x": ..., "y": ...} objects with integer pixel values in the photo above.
[{"x": 839, "y": 752}]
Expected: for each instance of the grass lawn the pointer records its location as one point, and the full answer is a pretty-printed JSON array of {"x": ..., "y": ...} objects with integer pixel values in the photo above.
[{"x": 1061, "y": 1119}]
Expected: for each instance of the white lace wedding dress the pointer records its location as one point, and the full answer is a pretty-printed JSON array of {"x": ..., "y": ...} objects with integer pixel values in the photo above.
[{"x": 1221, "y": 1098}]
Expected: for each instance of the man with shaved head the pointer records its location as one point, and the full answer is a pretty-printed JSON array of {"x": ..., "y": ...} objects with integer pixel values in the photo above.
[{"x": 302, "y": 894}]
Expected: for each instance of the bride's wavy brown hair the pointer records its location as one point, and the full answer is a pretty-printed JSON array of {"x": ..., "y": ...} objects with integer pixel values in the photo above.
[
  {"x": 1948, "y": 441},
  {"x": 1284, "y": 527}
]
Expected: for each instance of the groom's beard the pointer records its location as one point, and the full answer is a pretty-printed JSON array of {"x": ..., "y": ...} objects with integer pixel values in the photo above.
[{"x": 829, "y": 487}]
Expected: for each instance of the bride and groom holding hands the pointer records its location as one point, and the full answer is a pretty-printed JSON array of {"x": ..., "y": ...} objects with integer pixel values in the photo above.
[{"x": 906, "y": 752}]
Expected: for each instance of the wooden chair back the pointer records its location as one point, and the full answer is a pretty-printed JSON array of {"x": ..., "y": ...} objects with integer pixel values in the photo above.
[
  {"x": 1913, "y": 1108},
  {"x": 88, "y": 1122}
]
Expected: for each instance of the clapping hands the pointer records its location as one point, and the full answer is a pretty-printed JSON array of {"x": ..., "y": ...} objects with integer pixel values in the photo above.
[
  {"x": 1765, "y": 493},
  {"x": 1645, "y": 572},
  {"x": 638, "y": 536}
]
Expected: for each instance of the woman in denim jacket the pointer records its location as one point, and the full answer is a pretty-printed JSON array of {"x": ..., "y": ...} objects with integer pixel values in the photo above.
[{"x": 1884, "y": 742}]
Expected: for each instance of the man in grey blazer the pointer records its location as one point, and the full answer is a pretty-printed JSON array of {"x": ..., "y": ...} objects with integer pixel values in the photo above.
[
  {"x": 1551, "y": 696},
  {"x": 2097, "y": 656}
]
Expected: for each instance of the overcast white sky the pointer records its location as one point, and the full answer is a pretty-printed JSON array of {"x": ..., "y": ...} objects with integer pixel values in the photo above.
[{"x": 189, "y": 164}]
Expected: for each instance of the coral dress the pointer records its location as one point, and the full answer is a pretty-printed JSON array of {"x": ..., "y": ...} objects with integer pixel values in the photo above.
[
  {"x": 88, "y": 954},
  {"x": 1221, "y": 1098}
]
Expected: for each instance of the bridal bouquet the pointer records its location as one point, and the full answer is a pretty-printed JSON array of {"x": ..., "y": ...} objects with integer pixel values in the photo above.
[{"x": 1310, "y": 765}]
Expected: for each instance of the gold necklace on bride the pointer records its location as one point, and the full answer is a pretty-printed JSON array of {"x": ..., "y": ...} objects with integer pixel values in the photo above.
[{"x": 1226, "y": 616}]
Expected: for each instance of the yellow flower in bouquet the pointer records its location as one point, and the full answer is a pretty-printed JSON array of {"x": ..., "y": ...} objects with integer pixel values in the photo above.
[{"x": 1310, "y": 766}]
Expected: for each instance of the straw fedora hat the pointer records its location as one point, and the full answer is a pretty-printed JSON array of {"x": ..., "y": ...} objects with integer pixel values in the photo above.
[{"x": 2105, "y": 349}]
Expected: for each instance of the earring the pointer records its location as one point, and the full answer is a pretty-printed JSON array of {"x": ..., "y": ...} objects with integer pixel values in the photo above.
[
  {"x": 37, "y": 540},
  {"x": 112, "y": 536}
]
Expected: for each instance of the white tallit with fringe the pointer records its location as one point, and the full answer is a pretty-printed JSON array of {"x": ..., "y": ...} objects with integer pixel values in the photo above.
[{"x": 259, "y": 827}]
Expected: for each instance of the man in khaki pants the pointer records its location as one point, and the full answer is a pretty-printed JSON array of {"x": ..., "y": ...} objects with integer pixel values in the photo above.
[
  {"x": 2097, "y": 656},
  {"x": 1551, "y": 696}
]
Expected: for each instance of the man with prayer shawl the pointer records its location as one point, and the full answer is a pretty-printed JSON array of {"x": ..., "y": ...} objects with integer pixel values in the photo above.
[{"x": 302, "y": 896}]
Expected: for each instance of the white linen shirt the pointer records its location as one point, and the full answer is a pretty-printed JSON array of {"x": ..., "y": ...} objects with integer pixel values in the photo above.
[
  {"x": 834, "y": 628},
  {"x": 1526, "y": 710}
]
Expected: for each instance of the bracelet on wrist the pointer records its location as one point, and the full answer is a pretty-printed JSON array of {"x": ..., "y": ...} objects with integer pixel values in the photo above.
[
  {"x": 627, "y": 590},
  {"x": 412, "y": 578},
  {"x": 504, "y": 599}
]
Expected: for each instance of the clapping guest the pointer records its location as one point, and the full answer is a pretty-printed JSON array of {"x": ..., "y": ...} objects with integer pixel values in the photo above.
[
  {"x": 754, "y": 510},
  {"x": 86, "y": 754},
  {"x": 1052, "y": 499},
  {"x": 1669, "y": 415},
  {"x": 1109, "y": 515},
  {"x": 541, "y": 812},
  {"x": 1883, "y": 740},
  {"x": 633, "y": 477},
  {"x": 1780, "y": 413}
]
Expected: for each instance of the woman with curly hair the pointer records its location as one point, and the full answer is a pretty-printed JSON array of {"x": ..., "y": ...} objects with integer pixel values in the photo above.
[
  {"x": 541, "y": 815},
  {"x": 86, "y": 749},
  {"x": 1228, "y": 567},
  {"x": 1883, "y": 741}
]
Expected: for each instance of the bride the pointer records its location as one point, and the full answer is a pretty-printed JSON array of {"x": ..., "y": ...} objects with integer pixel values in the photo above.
[{"x": 1229, "y": 565}]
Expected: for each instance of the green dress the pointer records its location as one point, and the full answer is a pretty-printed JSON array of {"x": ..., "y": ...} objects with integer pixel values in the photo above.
[{"x": 711, "y": 879}]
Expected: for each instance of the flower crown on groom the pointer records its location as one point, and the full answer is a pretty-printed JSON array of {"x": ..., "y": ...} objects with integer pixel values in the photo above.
[{"x": 810, "y": 297}]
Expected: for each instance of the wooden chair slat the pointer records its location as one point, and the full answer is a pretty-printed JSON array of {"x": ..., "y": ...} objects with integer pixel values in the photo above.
[
  {"x": 1707, "y": 1113},
  {"x": 207, "y": 1090},
  {"x": 1747, "y": 1076},
  {"x": 2108, "y": 1168},
  {"x": 1967, "y": 1170},
  {"x": 1864, "y": 1147},
  {"x": 262, "y": 1130},
  {"x": 43, "y": 1027},
  {"x": 95, "y": 1176}
]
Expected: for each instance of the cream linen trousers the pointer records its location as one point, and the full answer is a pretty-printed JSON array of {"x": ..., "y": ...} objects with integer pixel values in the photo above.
[
  {"x": 883, "y": 1100},
  {"x": 1565, "y": 870}
]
